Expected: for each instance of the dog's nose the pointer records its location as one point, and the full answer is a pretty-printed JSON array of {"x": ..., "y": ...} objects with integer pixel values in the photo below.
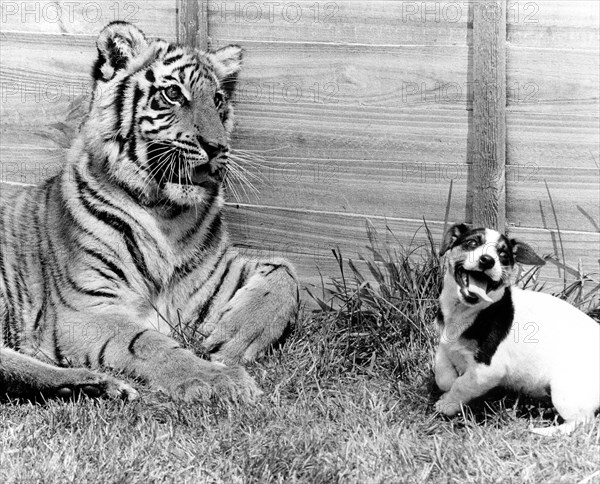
[{"x": 486, "y": 262}]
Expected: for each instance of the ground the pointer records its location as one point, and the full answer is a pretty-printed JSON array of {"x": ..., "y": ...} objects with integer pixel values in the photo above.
[{"x": 321, "y": 420}]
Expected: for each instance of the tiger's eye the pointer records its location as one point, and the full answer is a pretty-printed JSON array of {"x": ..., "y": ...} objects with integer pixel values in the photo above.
[{"x": 173, "y": 95}]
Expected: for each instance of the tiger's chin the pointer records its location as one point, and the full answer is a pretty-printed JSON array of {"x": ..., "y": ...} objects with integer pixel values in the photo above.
[
  {"x": 201, "y": 183},
  {"x": 182, "y": 194}
]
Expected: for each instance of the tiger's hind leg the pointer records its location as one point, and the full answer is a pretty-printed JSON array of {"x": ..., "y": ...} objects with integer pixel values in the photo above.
[
  {"x": 255, "y": 316},
  {"x": 22, "y": 375}
]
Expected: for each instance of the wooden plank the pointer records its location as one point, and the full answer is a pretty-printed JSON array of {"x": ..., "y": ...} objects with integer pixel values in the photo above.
[
  {"x": 488, "y": 154},
  {"x": 156, "y": 18},
  {"x": 369, "y": 143},
  {"x": 575, "y": 192},
  {"x": 582, "y": 250},
  {"x": 386, "y": 189},
  {"x": 290, "y": 232},
  {"x": 429, "y": 22},
  {"x": 573, "y": 24},
  {"x": 306, "y": 238},
  {"x": 427, "y": 139},
  {"x": 192, "y": 23},
  {"x": 553, "y": 139},
  {"x": 562, "y": 80},
  {"x": 366, "y": 77},
  {"x": 552, "y": 120},
  {"x": 422, "y": 137}
]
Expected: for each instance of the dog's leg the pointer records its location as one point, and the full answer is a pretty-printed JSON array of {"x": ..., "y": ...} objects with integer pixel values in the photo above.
[
  {"x": 475, "y": 382},
  {"x": 575, "y": 400},
  {"x": 445, "y": 373},
  {"x": 22, "y": 375},
  {"x": 255, "y": 316}
]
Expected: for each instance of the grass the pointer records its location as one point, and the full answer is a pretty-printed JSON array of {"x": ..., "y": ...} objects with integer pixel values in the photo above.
[{"x": 348, "y": 398}]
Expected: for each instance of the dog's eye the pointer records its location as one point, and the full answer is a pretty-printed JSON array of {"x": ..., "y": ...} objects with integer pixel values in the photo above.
[
  {"x": 173, "y": 95},
  {"x": 471, "y": 244}
]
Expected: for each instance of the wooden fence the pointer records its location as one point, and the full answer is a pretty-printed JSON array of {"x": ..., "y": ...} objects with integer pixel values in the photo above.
[{"x": 357, "y": 110}]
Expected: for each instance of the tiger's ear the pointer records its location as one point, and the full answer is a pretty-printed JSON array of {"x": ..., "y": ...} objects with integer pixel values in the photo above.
[
  {"x": 118, "y": 43},
  {"x": 228, "y": 64},
  {"x": 451, "y": 236}
]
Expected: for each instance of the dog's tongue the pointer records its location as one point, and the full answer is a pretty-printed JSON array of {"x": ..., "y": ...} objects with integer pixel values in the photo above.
[{"x": 478, "y": 288}]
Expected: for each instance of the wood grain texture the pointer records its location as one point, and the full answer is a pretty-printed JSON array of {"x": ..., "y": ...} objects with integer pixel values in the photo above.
[
  {"x": 572, "y": 24},
  {"x": 266, "y": 229},
  {"x": 552, "y": 140},
  {"x": 360, "y": 115},
  {"x": 574, "y": 191},
  {"x": 386, "y": 189},
  {"x": 264, "y": 232},
  {"x": 553, "y": 129},
  {"x": 556, "y": 80},
  {"x": 382, "y": 151},
  {"x": 156, "y": 18},
  {"x": 341, "y": 22},
  {"x": 488, "y": 154},
  {"x": 582, "y": 250},
  {"x": 192, "y": 23},
  {"x": 300, "y": 76}
]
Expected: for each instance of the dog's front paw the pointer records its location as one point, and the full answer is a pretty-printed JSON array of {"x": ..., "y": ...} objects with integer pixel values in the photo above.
[{"x": 447, "y": 406}]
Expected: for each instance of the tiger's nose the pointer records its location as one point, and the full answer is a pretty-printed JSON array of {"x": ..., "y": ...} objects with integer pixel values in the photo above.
[
  {"x": 486, "y": 262},
  {"x": 213, "y": 149}
]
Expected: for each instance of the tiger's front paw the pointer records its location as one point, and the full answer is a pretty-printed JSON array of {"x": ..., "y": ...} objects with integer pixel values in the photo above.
[
  {"x": 232, "y": 384},
  {"x": 447, "y": 406},
  {"x": 95, "y": 385}
]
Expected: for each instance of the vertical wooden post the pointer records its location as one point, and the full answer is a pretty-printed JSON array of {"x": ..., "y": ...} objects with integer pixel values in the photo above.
[
  {"x": 489, "y": 113},
  {"x": 192, "y": 23}
]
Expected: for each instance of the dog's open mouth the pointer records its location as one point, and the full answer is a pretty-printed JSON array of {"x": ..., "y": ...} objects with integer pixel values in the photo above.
[{"x": 475, "y": 285}]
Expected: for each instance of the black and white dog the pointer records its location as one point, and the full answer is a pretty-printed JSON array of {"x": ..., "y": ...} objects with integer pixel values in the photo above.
[{"x": 494, "y": 334}]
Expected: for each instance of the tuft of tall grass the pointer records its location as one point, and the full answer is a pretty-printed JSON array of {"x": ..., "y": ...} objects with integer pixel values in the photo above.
[
  {"x": 382, "y": 306},
  {"x": 379, "y": 312}
]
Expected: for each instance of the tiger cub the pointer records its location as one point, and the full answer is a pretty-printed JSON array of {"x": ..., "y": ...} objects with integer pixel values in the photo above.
[{"x": 100, "y": 262}]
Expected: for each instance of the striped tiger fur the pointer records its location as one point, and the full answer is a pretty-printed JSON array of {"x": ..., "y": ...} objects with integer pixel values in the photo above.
[{"x": 101, "y": 261}]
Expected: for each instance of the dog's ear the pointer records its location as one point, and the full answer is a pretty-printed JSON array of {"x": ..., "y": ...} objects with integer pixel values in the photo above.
[
  {"x": 524, "y": 254},
  {"x": 451, "y": 236}
]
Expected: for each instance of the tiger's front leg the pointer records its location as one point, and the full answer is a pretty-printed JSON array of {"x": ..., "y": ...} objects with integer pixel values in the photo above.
[
  {"x": 255, "y": 316},
  {"x": 160, "y": 361}
]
